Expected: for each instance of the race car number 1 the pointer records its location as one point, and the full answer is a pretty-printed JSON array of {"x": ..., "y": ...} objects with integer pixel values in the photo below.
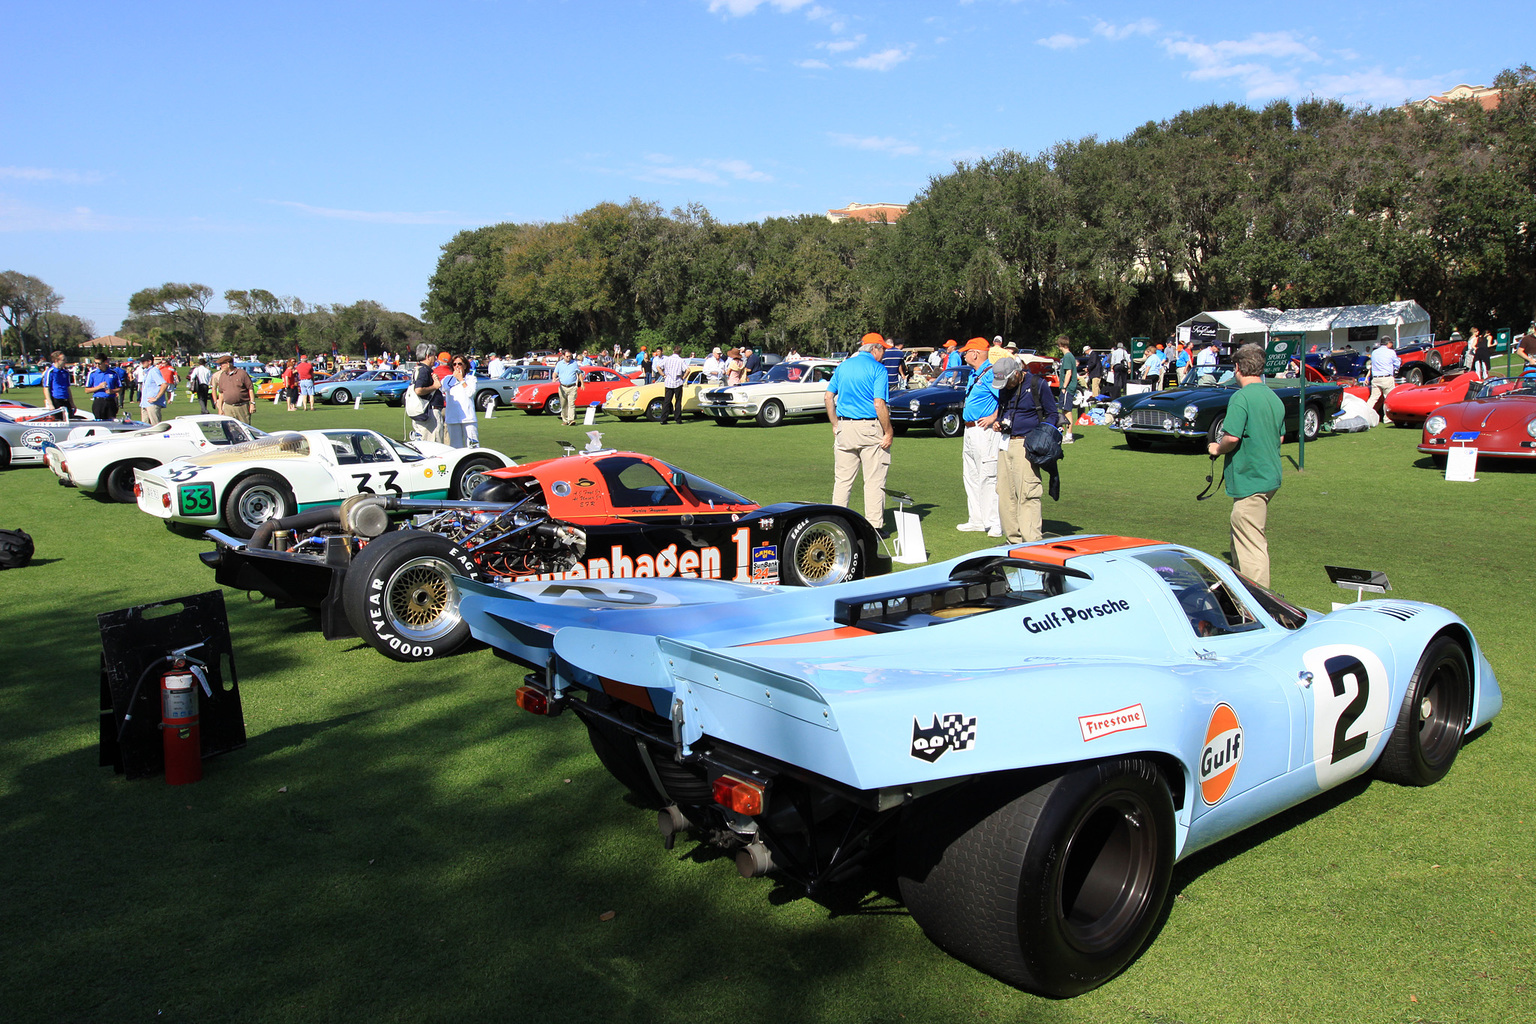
[{"x": 196, "y": 500}]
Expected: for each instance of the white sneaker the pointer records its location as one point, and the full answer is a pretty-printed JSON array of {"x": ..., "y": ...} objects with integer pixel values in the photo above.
[
  {"x": 1066, "y": 438},
  {"x": 994, "y": 532},
  {"x": 970, "y": 527}
]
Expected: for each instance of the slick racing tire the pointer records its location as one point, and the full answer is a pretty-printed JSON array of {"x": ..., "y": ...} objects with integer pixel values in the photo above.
[
  {"x": 819, "y": 551},
  {"x": 1055, "y": 890},
  {"x": 1430, "y": 725},
  {"x": 400, "y": 597},
  {"x": 254, "y": 500},
  {"x": 341, "y": 396},
  {"x": 470, "y": 474},
  {"x": 119, "y": 480}
]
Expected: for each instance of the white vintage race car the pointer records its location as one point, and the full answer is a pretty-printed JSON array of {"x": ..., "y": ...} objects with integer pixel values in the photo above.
[
  {"x": 792, "y": 390},
  {"x": 25, "y": 432},
  {"x": 106, "y": 463},
  {"x": 282, "y": 475}
]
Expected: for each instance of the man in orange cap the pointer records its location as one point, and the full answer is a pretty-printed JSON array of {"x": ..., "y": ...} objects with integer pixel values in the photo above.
[
  {"x": 952, "y": 364},
  {"x": 861, "y": 427}
]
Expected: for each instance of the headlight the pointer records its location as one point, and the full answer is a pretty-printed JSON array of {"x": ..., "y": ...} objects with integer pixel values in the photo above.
[
  {"x": 1190, "y": 412},
  {"x": 1530, "y": 427},
  {"x": 913, "y": 405},
  {"x": 1114, "y": 408},
  {"x": 1434, "y": 425}
]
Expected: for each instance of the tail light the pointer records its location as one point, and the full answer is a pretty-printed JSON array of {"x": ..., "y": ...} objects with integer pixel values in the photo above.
[
  {"x": 533, "y": 700},
  {"x": 165, "y": 499},
  {"x": 138, "y": 490},
  {"x": 739, "y": 795}
]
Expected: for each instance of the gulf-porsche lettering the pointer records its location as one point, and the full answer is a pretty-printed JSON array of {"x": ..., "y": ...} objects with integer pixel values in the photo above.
[
  {"x": 1094, "y": 726},
  {"x": 1069, "y": 616},
  {"x": 1222, "y": 754}
]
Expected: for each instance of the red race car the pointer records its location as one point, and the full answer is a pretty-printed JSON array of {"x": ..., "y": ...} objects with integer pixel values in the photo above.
[
  {"x": 544, "y": 396},
  {"x": 1408, "y": 405},
  {"x": 1499, "y": 420}
]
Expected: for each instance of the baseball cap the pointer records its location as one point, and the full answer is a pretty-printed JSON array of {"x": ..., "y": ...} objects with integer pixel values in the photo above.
[
  {"x": 874, "y": 339},
  {"x": 975, "y": 345},
  {"x": 950, "y": 343}
]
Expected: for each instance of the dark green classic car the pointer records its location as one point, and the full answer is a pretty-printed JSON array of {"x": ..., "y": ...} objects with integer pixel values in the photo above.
[{"x": 1195, "y": 413}]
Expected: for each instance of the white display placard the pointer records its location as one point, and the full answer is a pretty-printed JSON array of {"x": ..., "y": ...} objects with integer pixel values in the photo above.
[
  {"x": 1461, "y": 464},
  {"x": 909, "y": 539}
]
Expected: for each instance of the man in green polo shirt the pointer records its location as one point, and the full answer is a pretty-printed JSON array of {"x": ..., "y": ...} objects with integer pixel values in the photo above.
[{"x": 1250, "y": 440}]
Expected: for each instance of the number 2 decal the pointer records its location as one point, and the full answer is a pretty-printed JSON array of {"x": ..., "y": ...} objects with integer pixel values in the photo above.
[
  {"x": 388, "y": 477},
  {"x": 1349, "y": 692}
]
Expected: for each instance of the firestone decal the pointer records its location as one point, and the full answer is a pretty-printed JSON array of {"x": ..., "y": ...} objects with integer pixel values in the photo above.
[
  {"x": 1222, "y": 754},
  {"x": 951, "y": 732},
  {"x": 1094, "y": 726}
]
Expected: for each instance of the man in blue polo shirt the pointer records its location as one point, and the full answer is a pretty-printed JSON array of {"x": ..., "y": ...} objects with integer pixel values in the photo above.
[
  {"x": 56, "y": 385},
  {"x": 568, "y": 378},
  {"x": 861, "y": 427},
  {"x": 102, "y": 386},
  {"x": 978, "y": 451}
]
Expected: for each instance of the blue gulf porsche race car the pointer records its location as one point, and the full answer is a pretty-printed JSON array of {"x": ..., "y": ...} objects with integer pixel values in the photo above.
[{"x": 1032, "y": 736}]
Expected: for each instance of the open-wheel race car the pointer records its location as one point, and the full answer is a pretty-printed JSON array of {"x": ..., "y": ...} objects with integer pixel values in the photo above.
[
  {"x": 383, "y": 567},
  {"x": 1031, "y": 736}
]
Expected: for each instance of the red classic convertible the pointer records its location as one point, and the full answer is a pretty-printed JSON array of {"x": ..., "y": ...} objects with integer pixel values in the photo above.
[
  {"x": 1499, "y": 420},
  {"x": 1408, "y": 405}
]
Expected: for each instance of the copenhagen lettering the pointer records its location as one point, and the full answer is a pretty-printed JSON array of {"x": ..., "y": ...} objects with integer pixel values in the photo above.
[
  {"x": 703, "y": 563},
  {"x": 1069, "y": 616}
]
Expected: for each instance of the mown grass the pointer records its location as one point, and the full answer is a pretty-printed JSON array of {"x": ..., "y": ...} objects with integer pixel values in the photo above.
[{"x": 399, "y": 843}]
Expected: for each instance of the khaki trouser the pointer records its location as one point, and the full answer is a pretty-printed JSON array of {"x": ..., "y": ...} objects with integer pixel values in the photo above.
[
  {"x": 856, "y": 446},
  {"x": 1018, "y": 494},
  {"x": 1250, "y": 548},
  {"x": 568, "y": 403}
]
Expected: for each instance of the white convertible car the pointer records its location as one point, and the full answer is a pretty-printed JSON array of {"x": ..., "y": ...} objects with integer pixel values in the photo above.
[
  {"x": 279, "y": 475},
  {"x": 106, "y": 463},
  {"x": 791, "y": 390}
]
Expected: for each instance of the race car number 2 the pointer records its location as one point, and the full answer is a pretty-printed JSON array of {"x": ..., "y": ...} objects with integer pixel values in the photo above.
[{"x": 1350, "y": 692}]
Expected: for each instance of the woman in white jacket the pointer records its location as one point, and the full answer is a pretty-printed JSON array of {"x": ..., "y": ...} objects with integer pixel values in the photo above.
[{"x": 459, "y": 406}]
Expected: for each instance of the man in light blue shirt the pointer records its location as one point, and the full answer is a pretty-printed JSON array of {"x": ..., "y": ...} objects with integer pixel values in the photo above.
[
  {"x": 861, "y": 427},
  {"x": 1384, "y": 367},
  {"x": 978, "y": 451},
  {"x": 568, "y": 376}
]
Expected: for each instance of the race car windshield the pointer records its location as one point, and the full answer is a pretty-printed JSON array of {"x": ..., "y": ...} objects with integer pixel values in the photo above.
[
  {"x": 1279, "y": 609},
  {"x": 706, "y": 491},
  {"x": 1211, "y": 606}
]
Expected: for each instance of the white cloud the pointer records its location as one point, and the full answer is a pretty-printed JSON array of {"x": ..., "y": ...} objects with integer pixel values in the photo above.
[
  {"x": 742, "y": 8},
  {"x": 840, "y": 45},
  {"x": 1376, "y": 87},
  {"x": 882, "y": 61},
  {"x": 1115, "y": 33},
  {"x": 660, "y": 168},
  {"x": 1276, "y": 74},
  {"x": 816, "y": 64},
  {"x": 50, "y": 174},
  {"x": 375, "y": 216},
  {"x": 882, "y": 144},
  {"x": 16, "y": 216},
  {"x": 1061, "y": 41}
]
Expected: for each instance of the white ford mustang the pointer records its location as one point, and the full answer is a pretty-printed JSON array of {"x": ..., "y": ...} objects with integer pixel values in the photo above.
[
  {"x": 279, "y": 475},
  {"x": 106, "y": 463}
]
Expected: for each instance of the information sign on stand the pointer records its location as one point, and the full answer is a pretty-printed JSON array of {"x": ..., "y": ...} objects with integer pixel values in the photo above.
[{"x": 1461, "y": 464}]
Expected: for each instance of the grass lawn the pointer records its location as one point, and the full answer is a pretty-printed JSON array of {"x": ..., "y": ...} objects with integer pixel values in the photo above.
[{"x": 400, "y": 843}]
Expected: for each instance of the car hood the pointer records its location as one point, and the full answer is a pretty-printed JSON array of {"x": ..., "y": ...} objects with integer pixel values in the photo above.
[{"x": 1492, "y": 413}]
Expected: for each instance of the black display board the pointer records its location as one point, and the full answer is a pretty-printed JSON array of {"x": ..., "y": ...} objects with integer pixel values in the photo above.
[{"x": 133, "y": 640}]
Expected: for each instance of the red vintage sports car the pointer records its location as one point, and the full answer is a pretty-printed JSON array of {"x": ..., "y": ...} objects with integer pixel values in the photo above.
[
  {"x": 544, "y": 396},
  {"x": 1408, "y": 405},
  {"x": 1499, "y": 420}
]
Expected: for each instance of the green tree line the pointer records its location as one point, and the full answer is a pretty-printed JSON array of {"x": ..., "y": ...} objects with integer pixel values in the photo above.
[{"x": 1312, "y": 204}]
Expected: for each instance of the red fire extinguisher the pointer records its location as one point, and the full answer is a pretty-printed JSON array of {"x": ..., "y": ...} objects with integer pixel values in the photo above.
[{"x": 178, "y": 724}]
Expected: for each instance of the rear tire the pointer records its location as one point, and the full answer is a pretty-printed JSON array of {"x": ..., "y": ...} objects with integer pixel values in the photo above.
[
  {"x": 254, "y": 500},
  {"x": 400, "y": 597},
  {"x": 1414, "y": 375},
  {"x": 120, "y": 482},
  {"x": 470, "y": 474},
  {"x": 1311, "y": 421},
  {"x": 1057, "y": 889},
  {"x": 1430, "y": 725},
  {"x": 818, "y": 552}
]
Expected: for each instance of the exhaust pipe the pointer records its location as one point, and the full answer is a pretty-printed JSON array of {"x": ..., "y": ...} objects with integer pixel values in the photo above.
[{"x": 753, "y": 860}]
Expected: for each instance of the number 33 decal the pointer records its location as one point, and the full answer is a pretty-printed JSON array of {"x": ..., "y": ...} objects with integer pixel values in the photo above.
[
  {"x": 1349, "y": 691},
  {"x": 386, "y": 481}
]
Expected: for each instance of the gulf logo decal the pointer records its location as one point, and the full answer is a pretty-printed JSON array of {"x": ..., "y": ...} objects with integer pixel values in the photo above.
[{"x": 1222, "y": 754}]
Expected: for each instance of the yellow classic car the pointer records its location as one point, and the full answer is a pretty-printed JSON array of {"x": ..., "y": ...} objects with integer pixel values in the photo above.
[{"x": 649, "y": 400}]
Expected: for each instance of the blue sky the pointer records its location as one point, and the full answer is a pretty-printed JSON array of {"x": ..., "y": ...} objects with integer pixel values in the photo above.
[{"x": 328, "y": 150}]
